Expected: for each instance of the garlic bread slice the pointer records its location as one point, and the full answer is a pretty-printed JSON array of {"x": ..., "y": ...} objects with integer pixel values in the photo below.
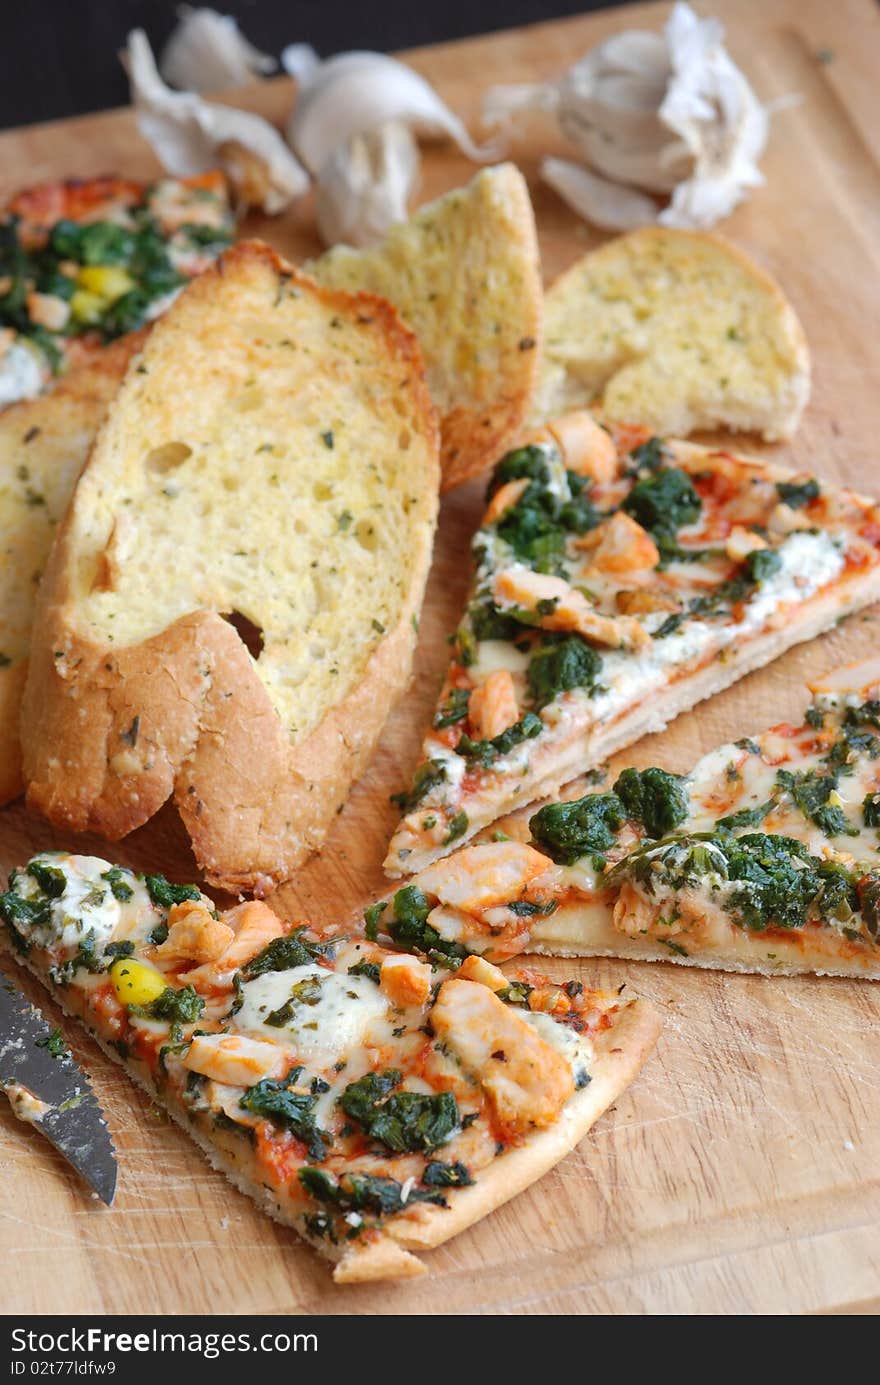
[
  {"x": 677, "y": 330},
  {"x": 464, "y": 273},
  {"x": 229, "y": 611},
  {"x": 44, "y": 443}
]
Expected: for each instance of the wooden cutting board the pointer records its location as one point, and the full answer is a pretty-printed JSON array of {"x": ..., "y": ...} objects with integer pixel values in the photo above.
[{"x": 740, "y": 1173}]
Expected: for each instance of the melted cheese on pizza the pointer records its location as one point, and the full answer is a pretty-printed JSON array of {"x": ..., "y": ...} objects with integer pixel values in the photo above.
[
  {"x": 767, "y": 855},
  {"x": 592, "y": 595},
  {"x": 355, "y": 1082}
]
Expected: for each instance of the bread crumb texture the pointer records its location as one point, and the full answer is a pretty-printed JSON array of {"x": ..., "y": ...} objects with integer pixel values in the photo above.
[
  {"x": 677, "y": 330},
  {"x": 262, "y": 466},
  {"x": 229, "y": 611},
  {"x": 464, "y": 273}
]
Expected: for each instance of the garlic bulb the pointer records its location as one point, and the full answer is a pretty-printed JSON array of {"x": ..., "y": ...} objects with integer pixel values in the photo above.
[
  {"x": 667, "y": 115},
  {"x": 366, "y": 184},
  {"x": 190, "y": 135},
  {"x": 353, "y": 125},
  {"x": 207, "y": 52}
]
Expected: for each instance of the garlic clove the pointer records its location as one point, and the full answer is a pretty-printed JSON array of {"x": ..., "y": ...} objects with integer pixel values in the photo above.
[
  {"x": 711, "y": 106},
  {"x": 207, "y": 52},
  {"x": 190, "y": 135},
  {"x": 668, "y": 114},
  {"x": 600, "y": 201},
  {"x": 656, "y": 167},
  {"x": 365, "y": 185},
  {"x": 638, "y": 51},
  {"x": 355, "y": 92}
]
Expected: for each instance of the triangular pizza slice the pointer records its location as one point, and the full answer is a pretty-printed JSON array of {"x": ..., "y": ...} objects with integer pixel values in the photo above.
[
  {"x": 377, "y": 1102},
  {"x": 619, "y": 580},
  {"x": 765, "y": 858}
]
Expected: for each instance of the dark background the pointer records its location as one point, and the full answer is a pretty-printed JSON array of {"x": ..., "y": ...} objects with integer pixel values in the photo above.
[{"x": 59, "y": 56}]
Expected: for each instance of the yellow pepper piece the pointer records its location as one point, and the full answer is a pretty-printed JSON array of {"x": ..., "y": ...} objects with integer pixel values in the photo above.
[
  {"x": 108, "y": 281},
  {"x": 88, "y": 308},
  {"x": 136, "y": 983}
]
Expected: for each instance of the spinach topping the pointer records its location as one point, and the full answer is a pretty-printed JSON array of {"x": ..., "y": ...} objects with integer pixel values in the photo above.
[
  {"x": 568, "y": 831},
  {"x": 871, "y": 810},
  {"x": 427, "y": 777},
  {"x": 655, "y": 798},
  {"x": 868, "y": 892},
  {"x": 485, "y": 753},
  {"x": 440, "y": 1175},
  {"x": 85, "y": 956},
  {"x": 53, "y": 1043},
  {"x": 771, "y": 889},
  {"x": 757, "y": 567},
  {"x": 291, "y": 1110},
  {"x": 402, "y": 1121},
  {"x": 664, "y": 501},
  {"x": 797, "y": 494},
  {"x": 177, "y": 1006},
  {"x": 458, "y": 825},
  {"x": 561, "y": 665},
  {"x": 810, "y": 791},
  {"x": 765, "y": 880},
  {"x": 649, "y": 456},
  {"x": 410, "y": 929},
  {"x": 50, "y": 879},
  {"x": 536, "y": 527},
  {"x": 372, "y": 970},
  {"x": 124, "y": 948},
  {"x": 119, "y": 887},
  {"x": 281, "y": 954},
  {"x": 747, "y": 817},
  {"x": 364, "y": 1192},
  {"x": 20, "y": 914},
  {"x": 305, "y": 992},
  {"x": 487, "y": 622},
  {"x": 140, "y": 250},
  {"x": 163, "y": 893},
  {"x": 454, "y": 709}
]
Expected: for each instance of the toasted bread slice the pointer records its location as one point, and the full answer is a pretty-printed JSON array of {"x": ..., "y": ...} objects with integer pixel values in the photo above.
[
  {"x": 43, "y": 445},
  {"x": 677, "y": 330},
  {"x": 271, "y": 456},
  {"x": 464, "y": 273}
]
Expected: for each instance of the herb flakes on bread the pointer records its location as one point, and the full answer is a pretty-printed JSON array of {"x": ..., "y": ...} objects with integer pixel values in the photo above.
[
  {"x": 464, "y": 273},
  {"x": 677, "y": 330},
  {"x": 271, "y": 457}
]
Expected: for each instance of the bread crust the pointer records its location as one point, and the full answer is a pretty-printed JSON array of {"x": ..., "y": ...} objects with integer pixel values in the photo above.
[
  {"x": 76, "y": 405},
  {"x": 110, "y": 733}
]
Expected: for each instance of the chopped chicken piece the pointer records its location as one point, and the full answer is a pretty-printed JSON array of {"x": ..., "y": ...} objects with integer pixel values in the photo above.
[
  {"x": 478, "y": 877},
  {"x": 561, "y": 607},
  {"x": 405, "y": 980},
  {"x": 526, "y": 1080},
  {"x": 493, "y": 707}
]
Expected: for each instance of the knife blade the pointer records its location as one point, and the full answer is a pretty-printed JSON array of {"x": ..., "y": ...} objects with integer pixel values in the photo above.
[{"x": 66, "y": 1110}]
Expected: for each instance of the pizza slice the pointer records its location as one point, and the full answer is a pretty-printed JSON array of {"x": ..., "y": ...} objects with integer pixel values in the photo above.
[
  {"x": 376, "y": 1102},
  {"x": 619, "y": 580},
  {"x": 765, "y": 858},
  {"x": 84, "y": 262}
]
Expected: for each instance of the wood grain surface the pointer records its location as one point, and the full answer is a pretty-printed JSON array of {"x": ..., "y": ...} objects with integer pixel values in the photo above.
[{"x": 740, "y": 1173}]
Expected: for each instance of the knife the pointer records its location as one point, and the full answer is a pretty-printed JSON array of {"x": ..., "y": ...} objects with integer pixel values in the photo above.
[{"x": 49, "y": 1089}]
